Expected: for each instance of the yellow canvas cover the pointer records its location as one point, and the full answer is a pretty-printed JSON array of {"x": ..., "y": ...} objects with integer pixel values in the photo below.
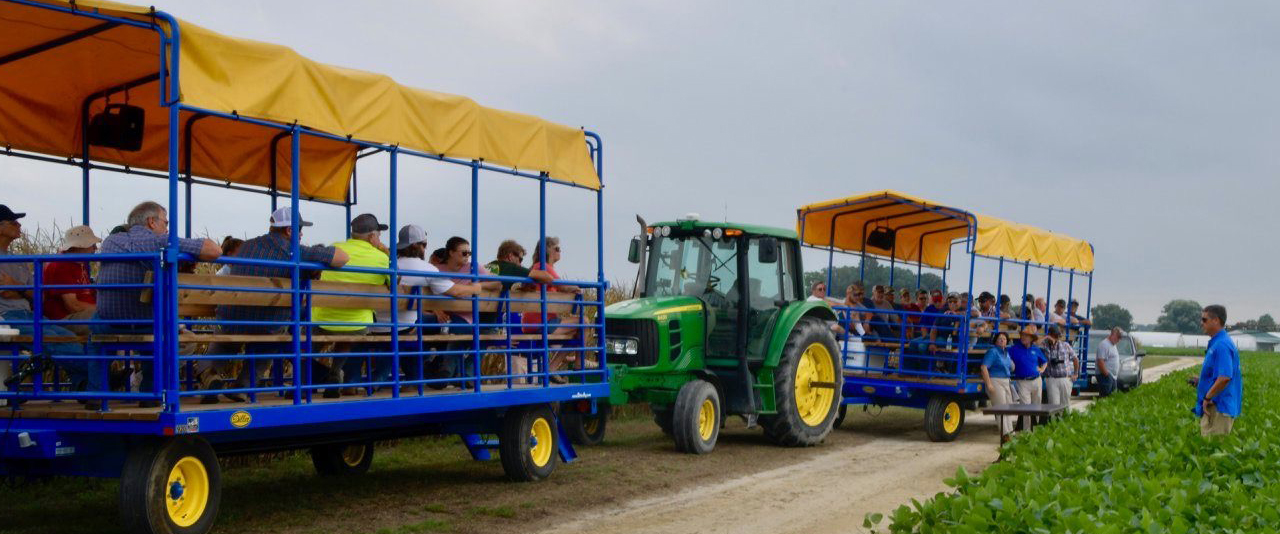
[
  {"x": 41, "y": 98},
  {"x": 925, "y": 230}
]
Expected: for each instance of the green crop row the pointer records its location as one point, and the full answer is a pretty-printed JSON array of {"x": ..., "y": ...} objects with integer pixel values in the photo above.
[{"x": 1132, "y": 463}]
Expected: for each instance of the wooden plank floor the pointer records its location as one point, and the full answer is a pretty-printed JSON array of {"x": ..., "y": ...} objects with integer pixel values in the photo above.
[{"x": 129, "y": 411}]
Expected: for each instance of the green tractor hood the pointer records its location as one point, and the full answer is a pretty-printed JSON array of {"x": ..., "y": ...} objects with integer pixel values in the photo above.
[{"x": 652, "y": 307}]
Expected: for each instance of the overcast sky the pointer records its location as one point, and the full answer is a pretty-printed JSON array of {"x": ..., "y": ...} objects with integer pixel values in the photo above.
[{"x": 1148, "y": 128}]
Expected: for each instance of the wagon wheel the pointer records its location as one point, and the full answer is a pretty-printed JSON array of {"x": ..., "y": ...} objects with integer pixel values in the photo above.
[{"x": 170, "y": 487}]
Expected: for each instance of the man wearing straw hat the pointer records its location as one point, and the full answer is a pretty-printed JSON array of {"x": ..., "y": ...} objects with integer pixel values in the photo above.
[{"x": 1028, "y": 363}]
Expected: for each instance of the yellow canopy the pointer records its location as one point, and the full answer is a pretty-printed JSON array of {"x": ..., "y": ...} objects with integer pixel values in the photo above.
[
  {"x": 41, "y": 95},
  {"x": 924, "y": 231}
]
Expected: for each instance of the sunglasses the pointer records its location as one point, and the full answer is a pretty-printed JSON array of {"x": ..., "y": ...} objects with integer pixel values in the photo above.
[
  {"x": 557, "y": 249},
  {"x": 1204, "y": 319}
]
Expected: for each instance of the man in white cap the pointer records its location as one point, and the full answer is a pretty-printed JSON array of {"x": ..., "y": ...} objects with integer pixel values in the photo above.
[
  {"x": 275, "y": 245},
  {"x": 72, "y": 303}
]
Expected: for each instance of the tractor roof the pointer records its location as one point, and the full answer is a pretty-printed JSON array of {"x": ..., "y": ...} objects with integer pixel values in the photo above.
[{"x": 753, "y": 229}]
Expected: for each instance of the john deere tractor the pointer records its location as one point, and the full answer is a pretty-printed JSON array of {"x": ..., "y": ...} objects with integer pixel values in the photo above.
[{"x": 720, "y": 326}]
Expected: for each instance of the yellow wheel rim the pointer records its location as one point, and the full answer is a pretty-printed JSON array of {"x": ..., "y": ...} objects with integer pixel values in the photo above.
[
  {"x": 540, "y": 446},
  {"x": 352, "y": 455},
  {"x": 951, "y": 417},
  {"x": 187, "y": 492},
  {"x": 706, "y": 420},
  {"x": 813, "y": 403},
  {"x": 591, "y": 425}
]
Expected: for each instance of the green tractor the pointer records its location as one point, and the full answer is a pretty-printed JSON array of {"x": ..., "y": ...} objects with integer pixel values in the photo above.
[{"x": 720, "y": 326}]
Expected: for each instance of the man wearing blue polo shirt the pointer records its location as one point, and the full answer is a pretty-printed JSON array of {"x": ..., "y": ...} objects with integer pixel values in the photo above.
[
  {"x": 1028, "y": 362},
  {"x": 1218, "y": 389}
]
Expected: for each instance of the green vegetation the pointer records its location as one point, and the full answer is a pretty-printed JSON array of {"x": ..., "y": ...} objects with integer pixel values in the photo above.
[
  {"x": 876, "y": 274},
  {"x": 1106, "y": 316},
  {"x": 1131, "y": 463},
  {"x": 1152, "y": 361},
  {"x": 1173, "y": 351},
  {"x": 1182, "y": 316}
]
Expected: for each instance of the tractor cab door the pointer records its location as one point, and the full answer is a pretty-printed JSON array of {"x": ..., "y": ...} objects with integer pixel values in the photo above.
[
  {"x": 723, "y": 263},
  {"x": 770, "y": 290}
]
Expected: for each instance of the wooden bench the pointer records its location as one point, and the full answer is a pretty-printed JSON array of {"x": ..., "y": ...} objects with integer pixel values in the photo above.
[{"x": 199, "y": 295}]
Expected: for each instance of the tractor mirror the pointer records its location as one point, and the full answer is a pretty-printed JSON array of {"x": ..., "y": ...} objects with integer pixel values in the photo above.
[
  {"x": 768, "y": 250},
  {"x": 633, "y": 254}
]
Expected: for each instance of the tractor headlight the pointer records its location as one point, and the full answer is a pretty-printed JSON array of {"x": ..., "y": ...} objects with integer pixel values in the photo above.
[
  {"x": 622, "y": 345},
  {"x": 717, "y": 233},
  {"x": 666, "y": 231}
]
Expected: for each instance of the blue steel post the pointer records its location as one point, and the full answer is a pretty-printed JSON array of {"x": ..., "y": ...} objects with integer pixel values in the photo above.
[
  {"x": 1071, "y": 283},
  {"x": 1088, "y": 314},
  {"x": 1048, "y": 296},
  {"x": 999, "y": 291},
  {"x": 37, "y": 314},
  {"x": 186, "y": 213},
  {"x": 395, "y": 278},
  {"x": 164, "y": 361},
  {"x": 545, "y": 356},
  {"x": 475, "y": 271},
  {"x": 295, "y": 255},
  {"x": 604, "y": 284},
  {"x": 1026, "y": 272},
  {"x": 963, "y": 349}
]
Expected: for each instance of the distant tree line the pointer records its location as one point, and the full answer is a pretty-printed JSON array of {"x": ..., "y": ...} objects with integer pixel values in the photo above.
[{"x": 877, "y": 273}]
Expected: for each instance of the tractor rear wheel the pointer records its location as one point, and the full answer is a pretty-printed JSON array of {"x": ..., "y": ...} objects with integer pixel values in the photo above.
[
  {"x": 170, "y": 487},
  {"x": 840, "y": 415},
  {"x": 585, "y": 428},
  {"x": 806, "y": 385},
  {"x": 943, "y": 418},
  {"x": 697, "y": 416}
]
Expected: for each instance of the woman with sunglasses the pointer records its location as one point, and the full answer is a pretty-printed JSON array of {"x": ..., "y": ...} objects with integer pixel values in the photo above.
[{"x": 558, "y": 359}]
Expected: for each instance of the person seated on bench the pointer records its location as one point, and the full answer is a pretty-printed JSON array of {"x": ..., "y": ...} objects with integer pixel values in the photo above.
[
  {"x": 883, "y": 324},
  {"x": 510, "y": 262},
  {"x": 1059, "y": 314},
  {"x": 71, "y": 304},
  {"x": 945, "y": 335},
  {"x": 230, "y": 246},
  {"x": 275, "y": 245},
  {"x": 148, "y": 233},
  {"x": 15, "y": 305},
  {"x": 819, "y": 294},
  {"x": 1005, "y": 307},
  {"x": 363, "y": 249},
  {"x": 411, "y": 252},
  {"x": 553, "y": 254},
  {"x": 1074, "y": 318}
]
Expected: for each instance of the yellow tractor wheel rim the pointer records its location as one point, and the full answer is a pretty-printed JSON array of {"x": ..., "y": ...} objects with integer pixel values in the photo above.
[
  {"x": 187, "y": 492},
  {"x": 813, "y": 403},
  {"x": 352, "y": 455},
  {"x": 706, "y": 420},
  {"x": 951, "y": 417},
  {"x": 540, "y": 448}
]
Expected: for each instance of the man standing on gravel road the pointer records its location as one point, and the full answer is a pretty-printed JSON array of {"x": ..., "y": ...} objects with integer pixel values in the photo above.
[{"x": 1218, "y": 388}]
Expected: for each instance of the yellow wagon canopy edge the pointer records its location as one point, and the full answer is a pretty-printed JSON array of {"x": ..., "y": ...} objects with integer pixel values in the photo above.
[
  {"x": 258, "y": 80},
  {"x": 924, "y": 231}
]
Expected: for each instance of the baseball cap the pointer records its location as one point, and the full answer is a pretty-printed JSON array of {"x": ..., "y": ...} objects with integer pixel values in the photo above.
[
  {"x": 283, "y": 218},
  {"x": 7, "y": 214},
  {"x": 366, "y": 223},
  {"x": 410, "y": 234},
  {"x": 78, "y": 237}
]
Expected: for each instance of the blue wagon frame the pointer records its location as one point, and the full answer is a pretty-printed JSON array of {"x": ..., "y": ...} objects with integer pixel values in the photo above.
[
  {"x": 943, "y": 392},
  {"x": 100, "y": 445}
]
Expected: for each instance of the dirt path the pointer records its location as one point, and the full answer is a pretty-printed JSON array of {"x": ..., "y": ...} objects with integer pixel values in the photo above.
[{"x": 828, "y": 493}]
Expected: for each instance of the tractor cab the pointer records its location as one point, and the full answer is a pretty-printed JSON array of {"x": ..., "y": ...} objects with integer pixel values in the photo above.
[{"x": 742, "y": 277}]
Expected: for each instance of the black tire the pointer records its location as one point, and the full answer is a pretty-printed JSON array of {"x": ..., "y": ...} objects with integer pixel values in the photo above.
[
  {"x": 943, "y": 418},
  {"x": 526, "y": 458},
  {"x": 342, "y": 459},
  {"x": 662, "y": 416},
  {"x": 697, "y": 417},
  {"x": 587, "y": 429},
  {"x": 844, "y": 410},
  {"x": 180, "y": 472},
  {"x": 788, "y": 426}
]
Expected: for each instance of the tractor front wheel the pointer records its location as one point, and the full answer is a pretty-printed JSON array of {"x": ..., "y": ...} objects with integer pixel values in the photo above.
[
  {"x": 696, "y": 422},
  {"x": 807, "y": 386}
]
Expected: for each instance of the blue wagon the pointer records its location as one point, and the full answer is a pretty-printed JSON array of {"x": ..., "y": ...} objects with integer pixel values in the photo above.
[
  {"x": 112, "y": 88},
  {"x": 929, "y": 359}
]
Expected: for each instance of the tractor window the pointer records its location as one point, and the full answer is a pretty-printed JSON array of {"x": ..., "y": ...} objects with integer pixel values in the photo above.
[
  {"x": 693, "y": 266},
  {"x": 787, "y": 261},
  {"x": 766, "y": 290}
]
